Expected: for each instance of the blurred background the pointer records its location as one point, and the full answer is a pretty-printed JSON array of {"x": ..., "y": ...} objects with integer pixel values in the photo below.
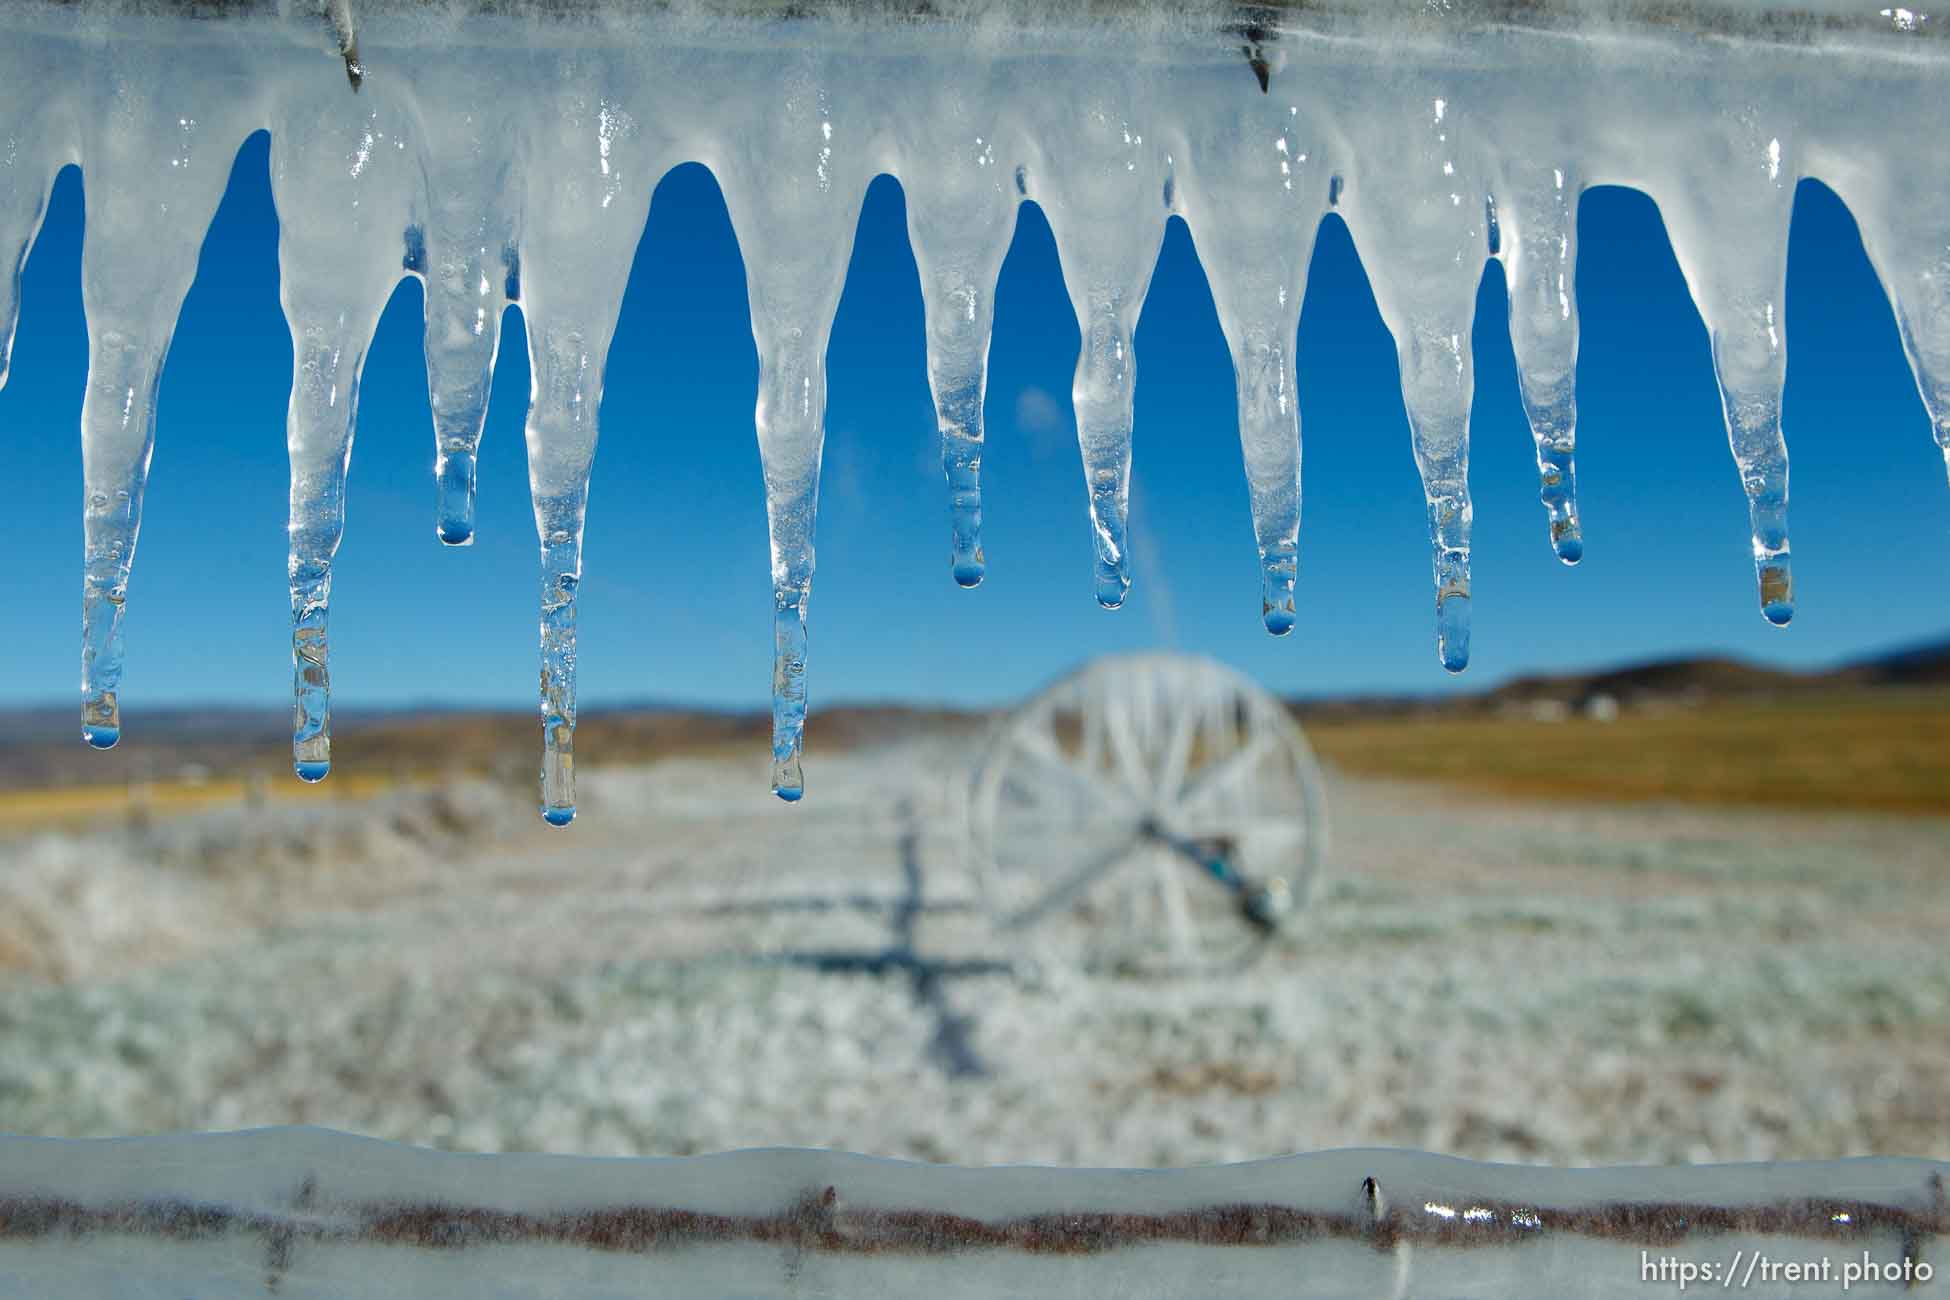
[{"x": 1652, "y": 882}]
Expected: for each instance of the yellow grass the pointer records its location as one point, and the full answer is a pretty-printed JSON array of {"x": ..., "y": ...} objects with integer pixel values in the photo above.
[
  {"x": 75, "y": 806},
  {"x": 1884, "y": 750}
]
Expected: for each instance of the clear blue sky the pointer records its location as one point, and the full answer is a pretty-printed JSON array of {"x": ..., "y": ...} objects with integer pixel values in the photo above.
[{"x": 675, "y": 602}]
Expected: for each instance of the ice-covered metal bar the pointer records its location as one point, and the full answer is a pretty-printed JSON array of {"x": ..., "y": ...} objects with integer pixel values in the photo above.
[
  {"x": 308, "y": 1214},
  {"x": 505, "y": 151}
]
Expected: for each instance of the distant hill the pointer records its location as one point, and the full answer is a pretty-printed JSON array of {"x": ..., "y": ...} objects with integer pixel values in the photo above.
[
  {"x": 1714, "y": 678},
  {"x": 40, "y": 746},
  {"x": 1676, "y": 682},
  {"x": 1920, "y": 665}
]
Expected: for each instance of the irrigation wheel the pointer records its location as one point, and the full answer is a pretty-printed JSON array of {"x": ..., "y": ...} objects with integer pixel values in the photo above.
[{"x": 1148, "y": 814}]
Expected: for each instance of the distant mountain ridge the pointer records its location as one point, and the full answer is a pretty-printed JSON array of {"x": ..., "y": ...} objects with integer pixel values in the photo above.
[
  {"x": 1717, "y": 677},
  {"x": 40, "y": 746}
]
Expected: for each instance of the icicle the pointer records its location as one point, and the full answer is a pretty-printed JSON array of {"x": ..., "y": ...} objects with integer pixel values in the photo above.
[
  {"x": 467, "y": 250},
  {"x": 590, "y": 195},
  {"x": 1254, "y": 197},
  {"x": 343, "y": 186},
  {"x": 1923, "y": 312},
  {"x": 1538, "y": 229},
  {"x": 961, "y": 215},
  {"x": 34, "y": 143},
  {"x": 1730, "y": 236},
  {"x": 1107, "y": 209},
  {"x": 568, "y": 369},
  {"x": 793, "y": 187},
  {"x": 1906, "y": 231},
  {"x": 27, "y": 169},
  {"x": 154, "y": 170},
  {"x": 1424, "y": 248}
]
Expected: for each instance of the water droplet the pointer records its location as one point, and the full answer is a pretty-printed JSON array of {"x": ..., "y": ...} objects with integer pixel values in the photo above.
[
  {"x": 1777, "y": 591},
  {"x": 1278, "y": 570},
  {"x": 1452, "y": 630},
  {"x": 454, "y": 475}
]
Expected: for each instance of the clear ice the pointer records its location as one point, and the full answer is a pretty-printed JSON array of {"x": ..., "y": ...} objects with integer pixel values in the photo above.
[
  {"x": 507, "y": 158},
  {"x": 312, "y": 1213}
]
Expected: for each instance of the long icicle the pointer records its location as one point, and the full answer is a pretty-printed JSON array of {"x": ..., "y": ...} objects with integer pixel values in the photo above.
[
  {"x": 1538, "y": 236},
  {"x": 1424, "y": 260},
  {"x": 1739, "y": 285},
  {"x": 567, "y": 361},
  {"x": 1255, "y": 212},
  {"x": 790, "y": 419},
  {"x": 329, "y": 354},
  {"x": 793, "y": 188},
  {"x": 1107, "y": 209},
  {"x": 590, "y": 195},
  {"x": 339, "y": 258},
  {"x": 960, "y": 228},
  {"x": 153, "y": 189},
  {"x": 1437, "y": 383}
]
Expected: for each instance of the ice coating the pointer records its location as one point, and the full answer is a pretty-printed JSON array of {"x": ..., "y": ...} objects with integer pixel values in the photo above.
[
  {"x": 509, "y": 157},
  {"x": 312, "y": 1214}
]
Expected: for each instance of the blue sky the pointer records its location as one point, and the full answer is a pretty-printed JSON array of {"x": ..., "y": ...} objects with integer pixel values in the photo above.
[{"x": 675, "y": 603}]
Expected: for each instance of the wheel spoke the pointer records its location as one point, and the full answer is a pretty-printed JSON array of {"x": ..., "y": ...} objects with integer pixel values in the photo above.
[
  {"x": 1040, "y": 748},
  {"x": 1217, "y": 775},
  {"x": 1178, "y": 753},
  {"x": 1074, "y": 886},
  {"x": 1124, "y": 749},
  {"x": 1171, "y": 871}
]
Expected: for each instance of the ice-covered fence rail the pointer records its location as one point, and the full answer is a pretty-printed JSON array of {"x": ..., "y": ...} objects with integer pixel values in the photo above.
[
  {"x": 307, "y": 1213},
  {"x": 505, "y": 151}
]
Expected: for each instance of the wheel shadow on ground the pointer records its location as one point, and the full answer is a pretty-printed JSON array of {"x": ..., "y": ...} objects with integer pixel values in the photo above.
[{"x": 952, "y": 1046}]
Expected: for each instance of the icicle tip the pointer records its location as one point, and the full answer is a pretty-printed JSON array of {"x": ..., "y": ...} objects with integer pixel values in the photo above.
[
  {"x": 1568, "y": 542},
  {"x": 1777, "y": 594}
]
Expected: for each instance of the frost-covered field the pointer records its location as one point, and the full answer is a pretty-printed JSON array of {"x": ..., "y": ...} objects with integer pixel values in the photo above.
[{"x": 695, "y": 967}]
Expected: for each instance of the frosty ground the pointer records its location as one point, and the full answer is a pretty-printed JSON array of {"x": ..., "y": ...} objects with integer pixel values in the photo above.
[{"x": 694, "y": 967}]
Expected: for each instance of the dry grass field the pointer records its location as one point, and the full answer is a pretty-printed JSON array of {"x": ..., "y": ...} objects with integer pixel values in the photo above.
[
  {"x": 694, "y": 966},
  {"x": 1885, "y": 750}
]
